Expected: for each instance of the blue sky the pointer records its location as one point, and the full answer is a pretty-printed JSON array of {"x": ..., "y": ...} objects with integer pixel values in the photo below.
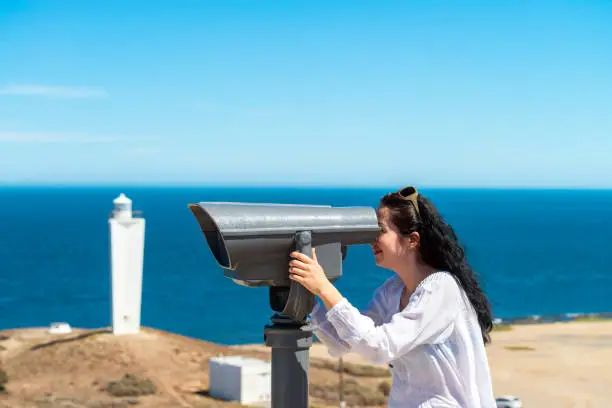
[{"x": 489, "y": 94}]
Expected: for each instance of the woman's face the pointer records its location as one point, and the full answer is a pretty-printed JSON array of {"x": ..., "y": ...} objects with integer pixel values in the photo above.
[{"x": 390, "y": 248}]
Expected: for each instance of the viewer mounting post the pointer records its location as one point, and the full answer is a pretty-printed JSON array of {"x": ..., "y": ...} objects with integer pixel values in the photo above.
[{"x": 290, "y": 341}]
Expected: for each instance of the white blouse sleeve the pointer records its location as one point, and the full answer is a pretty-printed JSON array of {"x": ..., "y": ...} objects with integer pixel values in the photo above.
[
  {"x": 324, "y": 330},
  {"x": 427, "y": 319},
  {"x": 328, "y": 335}
]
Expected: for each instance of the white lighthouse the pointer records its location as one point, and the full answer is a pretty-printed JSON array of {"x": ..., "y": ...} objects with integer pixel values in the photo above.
[{"x": 127, "y": 252}]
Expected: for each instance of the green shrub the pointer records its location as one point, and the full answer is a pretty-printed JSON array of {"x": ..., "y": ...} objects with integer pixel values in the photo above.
[
  {"x": 385, "y": 388},
  {"x": 131, "y": 386},
  {"x": 591, "y": 319},
  {"x": 3, "y": 380}
]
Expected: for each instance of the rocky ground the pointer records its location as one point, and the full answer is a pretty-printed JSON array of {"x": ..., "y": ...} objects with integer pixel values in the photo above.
[
  {"x": 561, "y": 365},
  {"x": 94, "y": 369}
]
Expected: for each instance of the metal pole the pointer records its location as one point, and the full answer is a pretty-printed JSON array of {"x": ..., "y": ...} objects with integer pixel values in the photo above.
[
  {"x": 290, "y": 351},
  {"x": 290, "y": 341}
]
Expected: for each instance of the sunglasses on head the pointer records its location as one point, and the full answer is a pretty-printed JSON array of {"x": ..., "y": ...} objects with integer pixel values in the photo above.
[{"x": 411, "y": 194}]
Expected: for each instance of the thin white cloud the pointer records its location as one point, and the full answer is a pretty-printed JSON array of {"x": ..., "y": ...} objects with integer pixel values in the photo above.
[
  {"x": 144, "y": 152},
  {"x": 66, "y": 92},
  {"x": 20, "y": 137},
  {"x": 236, "y": 109}
]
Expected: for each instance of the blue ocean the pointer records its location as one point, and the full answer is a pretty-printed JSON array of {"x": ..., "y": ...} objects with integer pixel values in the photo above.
[{"x": 536, "y": 251}]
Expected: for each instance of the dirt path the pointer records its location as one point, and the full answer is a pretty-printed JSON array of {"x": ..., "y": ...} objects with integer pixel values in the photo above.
[{"x": 154, "y": 369}]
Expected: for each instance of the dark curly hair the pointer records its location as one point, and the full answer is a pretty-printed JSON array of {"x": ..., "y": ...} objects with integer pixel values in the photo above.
[{"x": 439, "y": 248}]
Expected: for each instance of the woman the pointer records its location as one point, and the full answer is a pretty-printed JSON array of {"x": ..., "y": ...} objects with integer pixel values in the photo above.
[{"x": 429, "y": 323}]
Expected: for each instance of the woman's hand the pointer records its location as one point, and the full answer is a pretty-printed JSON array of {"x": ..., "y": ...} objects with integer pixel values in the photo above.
[{"x": 308, "y": 272}]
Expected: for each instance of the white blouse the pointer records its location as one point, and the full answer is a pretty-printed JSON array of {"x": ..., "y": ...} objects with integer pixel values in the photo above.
[{"x": 433, "y": 347}]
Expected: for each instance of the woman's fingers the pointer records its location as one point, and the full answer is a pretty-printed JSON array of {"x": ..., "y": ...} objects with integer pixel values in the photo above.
[
  {"x": 301, "y": 257},
  {"x": 297, "y": 271},
  {"x": 298, "y": 264},
  {"x": 296, "y": 278}
]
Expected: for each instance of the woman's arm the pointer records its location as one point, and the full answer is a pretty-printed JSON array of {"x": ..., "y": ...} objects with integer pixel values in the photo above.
[
  {"x": 326, "y": 331},
  {"x": 427, "y": 319}
]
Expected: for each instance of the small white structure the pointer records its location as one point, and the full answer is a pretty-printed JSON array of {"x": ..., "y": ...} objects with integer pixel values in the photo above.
[
  {"x": 242, "y": 379},
  {"x": 60, "y": 328},
  {"x": 127, "y": 252}
]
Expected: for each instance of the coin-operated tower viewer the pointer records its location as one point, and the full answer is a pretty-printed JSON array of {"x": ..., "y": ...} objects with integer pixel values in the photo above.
[{"x": 252, "y": 243}]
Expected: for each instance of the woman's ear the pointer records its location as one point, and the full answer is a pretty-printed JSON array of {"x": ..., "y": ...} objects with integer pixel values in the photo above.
[{"x": 414, "y": 240}]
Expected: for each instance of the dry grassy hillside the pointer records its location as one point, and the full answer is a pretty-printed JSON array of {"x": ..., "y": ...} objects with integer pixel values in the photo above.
[
  {"x": 93, "y": 368},
  {"x": 565, "y": 365}
]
